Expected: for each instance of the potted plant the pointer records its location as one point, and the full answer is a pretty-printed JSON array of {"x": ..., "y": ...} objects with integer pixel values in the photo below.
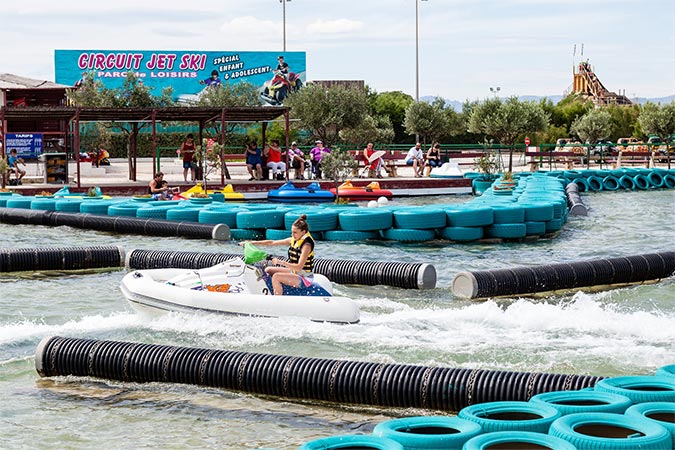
[{"x": 488, "y": 166}]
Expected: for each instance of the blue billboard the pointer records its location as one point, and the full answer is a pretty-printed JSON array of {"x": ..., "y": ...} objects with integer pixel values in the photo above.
[
  {"x": 187, "y": 72},
  {"x": 27, "y": 145}
]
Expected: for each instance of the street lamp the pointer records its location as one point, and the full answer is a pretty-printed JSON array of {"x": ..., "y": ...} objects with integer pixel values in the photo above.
[
  {"x": 283, "y": 9},
  {"x": 417, "y": 49},
  {"x": 495, "y": 90}
]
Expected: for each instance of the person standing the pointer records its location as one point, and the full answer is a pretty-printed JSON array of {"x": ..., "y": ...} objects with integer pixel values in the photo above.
[
  {"x": 187, "y": 151},
  {"x": 415, "y": 158},
  {"x": 316, "y": 154},
  {"x": 433, "y": 157},
  {"x": 253, "y": 161},
  {"x": 274, "y": 156}
]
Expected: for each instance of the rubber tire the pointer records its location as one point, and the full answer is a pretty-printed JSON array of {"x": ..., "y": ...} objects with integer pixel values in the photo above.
[
  {"x": 342, "y": 235},
  {"x": 219, "y": 215},
  {"x": 470, "y": 217},
  {"x": 428, "y": 432},
  {"x": 655, "y": 179},
  {"x": 538, "y": 212},
  {"x": 594, "y": 183},
  {"x": 669, "y": 181},
  {"x": 124, "y": 209},
  {"x": 535, "y": 228},
  {"x": 666, "y": 371},
  {"x": 571, "y": 402},
  {"x": 408, "y": 235},
  {"x": 352, "y": 442},
  {"x": 627, "y": 182},
  {"x": 318, "y": 219},
  {"x": 69, "y": 205},
  {"x": 481, "y": 413},
  {"x": 646, "y": 410},
  {"x": 260, "y": 219},
  {"x": 276, "y": 234},
  {"x": 188, "y": 214},
  {"x": 655, "y": 435},
  {"x": 461, "y": 234},
  {"x": 641, "y": 182},
  {"x": 640, "y": 389},
  {"x": 43, "y": 204},
  {"x": 610, "y": 183},
  {"x": 507, "y": 230},
  {"x": 417, "y": 218},
  {"x": 512, "y": 438},
  {"x": 581, "y": 183},
  {"x": 366, "y": 219}
]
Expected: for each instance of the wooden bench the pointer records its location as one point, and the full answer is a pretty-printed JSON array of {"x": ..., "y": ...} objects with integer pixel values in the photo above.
[
  {"x": 461, "y": 155},
  {"x": 621, "y": 157},
  {"x": 568, "y": 159},
  {"x": 392, "y": 160}
]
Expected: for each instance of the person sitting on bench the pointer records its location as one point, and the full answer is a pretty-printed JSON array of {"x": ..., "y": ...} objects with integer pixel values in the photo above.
[{"x": 13, "y": 161}]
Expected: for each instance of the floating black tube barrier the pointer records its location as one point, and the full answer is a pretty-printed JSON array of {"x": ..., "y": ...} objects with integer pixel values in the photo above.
[
  {"x": 60, "y": 258},
  {"x": 368, "y": 273},
  {"x": 552, "y": 277},
  {"x": 576, "y": 205},
  {"x": 353, "y": 382},
  {"x": 116, "y": 224}
]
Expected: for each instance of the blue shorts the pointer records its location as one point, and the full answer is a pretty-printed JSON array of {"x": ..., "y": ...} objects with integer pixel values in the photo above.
[
  {"x": 410, "y": 162},
  {"x": 189, "y": 165},
  {"x": 253, "y": 161},
  {"x": 434, "y": 163}
]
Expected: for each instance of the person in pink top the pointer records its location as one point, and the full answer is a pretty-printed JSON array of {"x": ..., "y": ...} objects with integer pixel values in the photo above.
[{"x": 315, "y": 155}]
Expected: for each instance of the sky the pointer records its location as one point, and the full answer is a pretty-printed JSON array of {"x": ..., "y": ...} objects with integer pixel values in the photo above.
[{"x": 466, "y": 47}]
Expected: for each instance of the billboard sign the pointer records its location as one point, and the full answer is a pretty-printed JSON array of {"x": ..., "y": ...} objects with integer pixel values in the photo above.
[
  {"x": 187, "y": 72},
  {"x": 27, "y": 145}
]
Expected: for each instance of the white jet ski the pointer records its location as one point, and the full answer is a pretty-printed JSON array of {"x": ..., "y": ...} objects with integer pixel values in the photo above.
[{"x": 233, "y": 287}]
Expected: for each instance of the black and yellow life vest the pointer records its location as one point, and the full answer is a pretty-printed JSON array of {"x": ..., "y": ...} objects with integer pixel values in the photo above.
[{"x": 296, "y": 248}]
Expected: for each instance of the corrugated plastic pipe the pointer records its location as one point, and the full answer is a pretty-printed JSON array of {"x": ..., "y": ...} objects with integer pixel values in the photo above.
[
  {"x": 368, "y": 273},
  {"x": 295, "y": 377},
  {"x": 64, "y": 258},
  {"x": 552, "y": 277},
  {"x": 117, "y": 224},
  {"x": 576, "y": 205}
]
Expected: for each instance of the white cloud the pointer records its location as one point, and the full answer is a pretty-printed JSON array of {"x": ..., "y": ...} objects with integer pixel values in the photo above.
[{"x": 339, "y": 26}]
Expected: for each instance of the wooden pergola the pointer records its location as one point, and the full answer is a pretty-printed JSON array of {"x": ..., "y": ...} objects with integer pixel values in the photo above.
[{"x": 203, "y": 115}]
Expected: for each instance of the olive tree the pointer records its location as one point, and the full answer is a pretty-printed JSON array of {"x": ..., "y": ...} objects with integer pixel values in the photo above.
[
  {"x": 659, "y": 120},
  {"x": 337, "y": 166},
  {"x": 133, "y": 94},
  {"x": 506, "y": 120},
  {"x": 325, "y": 111},
  {"x": 592, "y": 127},
  {"x": 428, "y": 120},
  {"x": 373, "y": 129}
]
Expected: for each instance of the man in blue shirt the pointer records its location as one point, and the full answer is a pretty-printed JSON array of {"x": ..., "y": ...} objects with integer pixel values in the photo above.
[{"x": 13, "y": 160}]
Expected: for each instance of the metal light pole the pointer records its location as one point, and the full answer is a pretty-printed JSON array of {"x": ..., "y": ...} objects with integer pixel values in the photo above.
[
  {"x": 283, "y": 9},
  {"x": 495, "y": 91},
  {"x": 417, "y": 49}
]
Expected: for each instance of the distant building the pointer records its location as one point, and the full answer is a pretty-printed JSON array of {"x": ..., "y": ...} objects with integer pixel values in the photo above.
[
  {"x": 18, "y": 92},
  {"x": 354, "y": 84},
  {"x": 587, "y": 83}
]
